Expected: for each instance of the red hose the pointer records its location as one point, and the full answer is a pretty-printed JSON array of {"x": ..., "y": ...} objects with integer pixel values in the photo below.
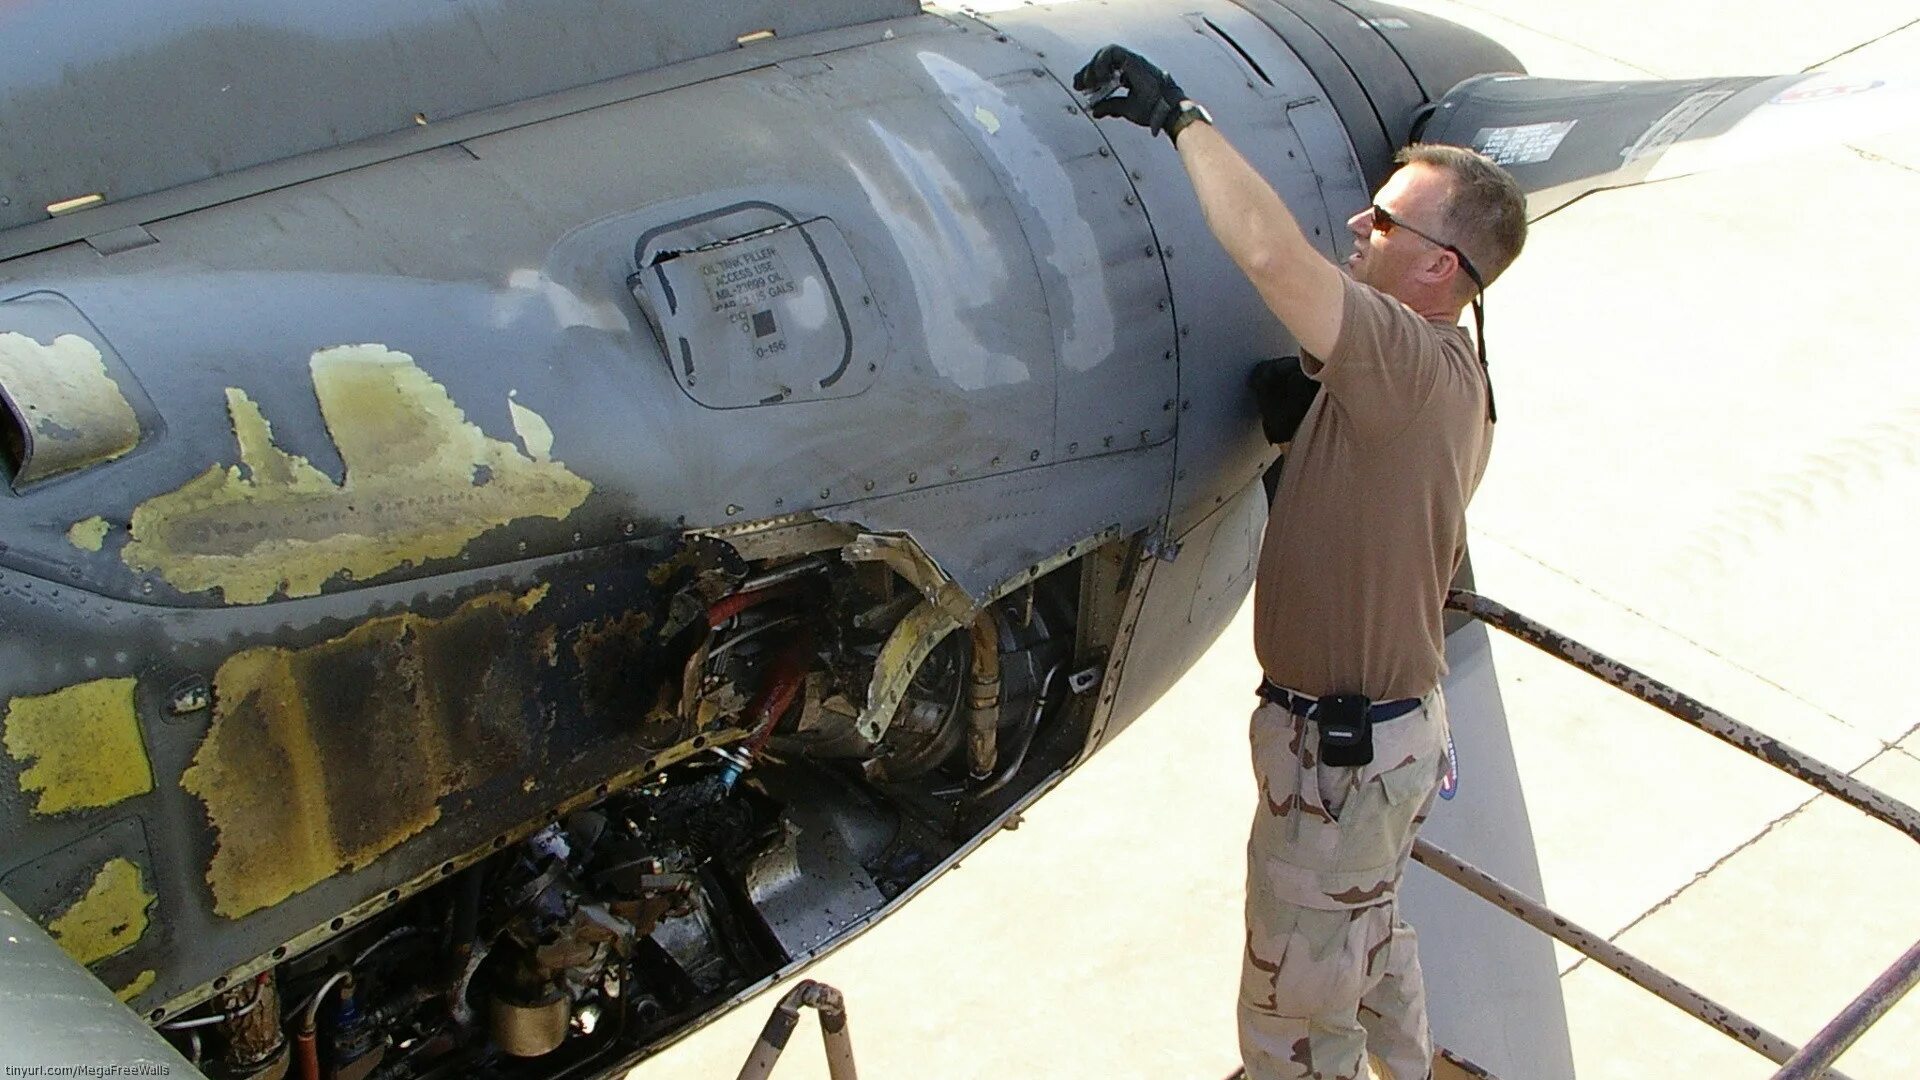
[
  {"x": 729, "y": 606},
  {"x": 785, "y": 676},
  {"x": 306, "y": 1055}
]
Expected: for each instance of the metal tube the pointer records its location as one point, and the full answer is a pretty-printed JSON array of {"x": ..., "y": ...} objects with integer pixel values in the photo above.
[
  {"x": 310, "y": 1009},
  {"x": 728, "y": 645},
  {"x": 734, "y": 603},
  {"x": 780, "y": 575},
  {"x": 833, "y": 1030},
  {"x": 1462, "y": 1064},
  {"x": 1832, "y": 1041},
  {"x": 983, "y": 701},
  {"x": 1676, "y": 704},
  {"x": 1635, "y": 970},
  {"x": 387, "y": 939},
  {"x": 780, "y": 1025},
  {"x": 209, "y": 1021},
  {"x": 1023, "y": 739}
]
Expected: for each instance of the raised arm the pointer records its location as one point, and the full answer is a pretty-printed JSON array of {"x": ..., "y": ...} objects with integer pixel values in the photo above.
[{"x": 1259, "y": 233}]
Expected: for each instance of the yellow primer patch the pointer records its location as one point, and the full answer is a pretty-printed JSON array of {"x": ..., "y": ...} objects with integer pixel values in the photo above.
[
  {"x": 322, "y": 759},
  {"x": 76, "y": 414},
  {"x": 83, "y": 744},
  {"x": 421, "y": 483},
  {"x": 109, "y": 919},
  {"x": 140, "y": 985},
  {"x": 534, "y": 431},
  {"x": 88, "y": 535}
]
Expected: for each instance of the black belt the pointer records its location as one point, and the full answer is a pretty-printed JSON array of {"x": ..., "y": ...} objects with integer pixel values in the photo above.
[{"x": 1303, "y": 706}]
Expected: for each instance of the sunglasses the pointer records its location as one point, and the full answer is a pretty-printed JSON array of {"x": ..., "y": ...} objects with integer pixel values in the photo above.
[{"x": 1384, "y": 222}]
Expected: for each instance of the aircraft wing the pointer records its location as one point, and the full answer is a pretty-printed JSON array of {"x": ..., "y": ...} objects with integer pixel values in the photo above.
[{"x": 1563, "y": 138}]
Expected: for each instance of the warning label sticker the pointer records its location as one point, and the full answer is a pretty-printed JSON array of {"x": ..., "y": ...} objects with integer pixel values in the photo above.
[
  {"x": 744, "y": 287},
  {"x": 742, "y": 281},
  {"x": 1523, "y": 144}
]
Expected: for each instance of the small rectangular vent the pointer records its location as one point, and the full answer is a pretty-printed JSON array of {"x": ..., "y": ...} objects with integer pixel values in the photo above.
[{"x": 1251, "y": 62}]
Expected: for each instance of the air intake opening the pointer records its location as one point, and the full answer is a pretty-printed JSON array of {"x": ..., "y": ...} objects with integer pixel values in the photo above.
[
  {"x": 63, "y": 408},
  {"x": 1252, "y": 64},
  {"x": 13, "y": 439}
]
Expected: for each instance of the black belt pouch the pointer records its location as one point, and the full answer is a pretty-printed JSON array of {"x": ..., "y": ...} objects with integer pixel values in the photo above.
[{"x": 1346, "y": 734}]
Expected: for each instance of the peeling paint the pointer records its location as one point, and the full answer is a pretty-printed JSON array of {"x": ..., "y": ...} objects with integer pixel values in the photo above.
[
  {"x": 986, "y": 118},
  {"x": 90, "y": 534},
  {"x": 82, "y": 746},
  {"x": 421, "y": 482},
  {"x": 75, "y": 414},
  {"x": 320, "y": 760},
  {"x": 141, "y": 983},
  {"x": 109, "y": 919},
  {"x": 534, "y": 431}
]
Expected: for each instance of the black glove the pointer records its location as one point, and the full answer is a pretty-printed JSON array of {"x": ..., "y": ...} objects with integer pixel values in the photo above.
[
  {"x": 1282, "y": 392},
  {"x": 1152, "y": 97}
]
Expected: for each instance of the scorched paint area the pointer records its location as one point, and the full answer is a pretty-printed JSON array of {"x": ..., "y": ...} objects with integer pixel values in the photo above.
[{"x": 322, "y": 759}]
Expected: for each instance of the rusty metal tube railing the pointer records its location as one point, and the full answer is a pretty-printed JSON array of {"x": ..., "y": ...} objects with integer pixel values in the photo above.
[
  {"x": 1462, "y": 1064},
  {"x": 1826, "y": 1047},
  {"x": 1676, "y": 704},
  {"x": 1642, "y": 974},
  {"x": 1817, "y": 1057},
  {"x": 780, "y": 1025}
]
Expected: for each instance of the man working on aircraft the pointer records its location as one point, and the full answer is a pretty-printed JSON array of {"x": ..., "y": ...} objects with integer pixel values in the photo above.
[{"x": 1368, "y": 528}]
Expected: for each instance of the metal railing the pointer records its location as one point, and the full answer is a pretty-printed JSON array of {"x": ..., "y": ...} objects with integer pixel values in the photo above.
[{"x": 1818, "y": 1055}]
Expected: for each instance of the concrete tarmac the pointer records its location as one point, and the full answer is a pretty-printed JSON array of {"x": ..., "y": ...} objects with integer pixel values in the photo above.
[{"x": 1708, "y": 465}]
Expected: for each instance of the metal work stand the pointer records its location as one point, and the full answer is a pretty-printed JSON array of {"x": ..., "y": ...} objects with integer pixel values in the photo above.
[
  {"x": 833, "y": 1030},
  {"x": 1816, "y": 1058}
]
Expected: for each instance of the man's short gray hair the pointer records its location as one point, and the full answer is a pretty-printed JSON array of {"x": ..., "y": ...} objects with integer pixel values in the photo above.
[{"x": 1486, "y": 210}]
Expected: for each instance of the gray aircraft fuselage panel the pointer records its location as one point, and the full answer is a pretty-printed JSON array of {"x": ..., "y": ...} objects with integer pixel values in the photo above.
[{"x": 126, "y": 98}]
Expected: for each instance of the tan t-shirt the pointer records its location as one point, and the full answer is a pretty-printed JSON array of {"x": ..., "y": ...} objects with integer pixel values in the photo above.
[{"x": 1369, "y": 524}]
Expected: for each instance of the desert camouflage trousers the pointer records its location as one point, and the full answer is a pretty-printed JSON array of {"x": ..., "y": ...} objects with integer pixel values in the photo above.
[{"x": 1331, "y": 975}]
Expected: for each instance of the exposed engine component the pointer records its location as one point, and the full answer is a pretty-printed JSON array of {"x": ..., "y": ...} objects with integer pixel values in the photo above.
[
  {"x": 622, "y": 920},
  {"x": 983, "y": 699},
  {"x": 242, "y": 1040},
  {"x": 529, "y": 1029},
  {"x": 562, "y": 947}
]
